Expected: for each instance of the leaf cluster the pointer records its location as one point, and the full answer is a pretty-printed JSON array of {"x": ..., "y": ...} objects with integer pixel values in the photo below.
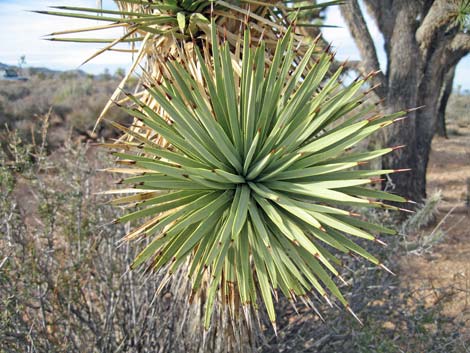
[{"x": 253, "y": 187}]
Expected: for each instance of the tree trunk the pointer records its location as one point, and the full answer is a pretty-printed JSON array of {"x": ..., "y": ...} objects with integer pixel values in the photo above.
[
  {"x": 441, "y": 129},
  {"x": 403, "y": 76}
]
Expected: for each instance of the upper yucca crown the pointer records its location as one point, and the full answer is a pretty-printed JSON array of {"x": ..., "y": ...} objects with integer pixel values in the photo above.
[{"x": 254, "y": 186}]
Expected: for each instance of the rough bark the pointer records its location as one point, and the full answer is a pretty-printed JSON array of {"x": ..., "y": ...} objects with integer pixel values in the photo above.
[
  {"x": 401, "y": 94},
  {"x": 446, "y": 90},
  {"x": 422, "y": 41},
  {"x": 436, "y": 67}
]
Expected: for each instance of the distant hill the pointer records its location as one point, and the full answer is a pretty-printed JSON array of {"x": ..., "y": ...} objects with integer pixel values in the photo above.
[{"x": 44, "y": 70}]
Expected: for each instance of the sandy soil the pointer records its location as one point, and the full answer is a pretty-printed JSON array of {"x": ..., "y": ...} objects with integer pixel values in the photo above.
[{"x": 441, "y": 276}]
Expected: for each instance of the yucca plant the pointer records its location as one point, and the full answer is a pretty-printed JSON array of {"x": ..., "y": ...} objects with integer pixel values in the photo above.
[
  {"x": 158, "y": 28},
  {"x": 241, "y": 162},
  {"x": 254, "y": 186}
]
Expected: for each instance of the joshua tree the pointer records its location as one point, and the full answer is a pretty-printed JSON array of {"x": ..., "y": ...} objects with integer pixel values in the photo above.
[
  {"x": 424, "y": 41},
  {"x": 241, "y": 162}
]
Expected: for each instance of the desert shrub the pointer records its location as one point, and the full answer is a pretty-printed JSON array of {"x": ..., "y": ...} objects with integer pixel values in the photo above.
[
  {"x": 73, "y": 87},
  {"x": 75, "y": 101},
  {"x": 13, "y": 91},
  {"x": 64, "y": 284}
]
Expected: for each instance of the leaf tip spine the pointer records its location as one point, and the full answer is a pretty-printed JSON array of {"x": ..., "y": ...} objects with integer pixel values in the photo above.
[
  {"x": 378, "y": 241},
  {"x": 348, "y": 308},
  {"x": 402, "y": 170},
  {"x": 397, "y": 147},
  {"x": 382, "y": 266}
]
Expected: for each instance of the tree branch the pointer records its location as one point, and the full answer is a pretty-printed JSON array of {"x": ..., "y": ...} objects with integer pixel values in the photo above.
[
  {"x": 461, "y": 42},
  {"x": 453, "y": 51},
  {"x": 446, "y": 90},
  {"x": 352, "y": 14},
  {"x": 441, "y": 14},
  {"x": 382, "y": 13},
  {"x": 427, "y": 4}
]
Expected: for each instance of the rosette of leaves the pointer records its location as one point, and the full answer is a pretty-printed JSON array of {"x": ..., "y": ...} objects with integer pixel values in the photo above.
[
  {"x": 187, "y": 16},
  {"x": 152, "y": 28},
  {"x": 254, "y": 188},
  {"x": 185, "y": 20}
]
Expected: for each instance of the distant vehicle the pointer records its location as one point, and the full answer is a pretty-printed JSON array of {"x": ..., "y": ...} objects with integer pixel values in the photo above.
[{"x": 11, "y": 75}]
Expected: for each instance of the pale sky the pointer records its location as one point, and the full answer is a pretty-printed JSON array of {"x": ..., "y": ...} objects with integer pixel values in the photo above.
[{"x": 21, "y": 32}]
